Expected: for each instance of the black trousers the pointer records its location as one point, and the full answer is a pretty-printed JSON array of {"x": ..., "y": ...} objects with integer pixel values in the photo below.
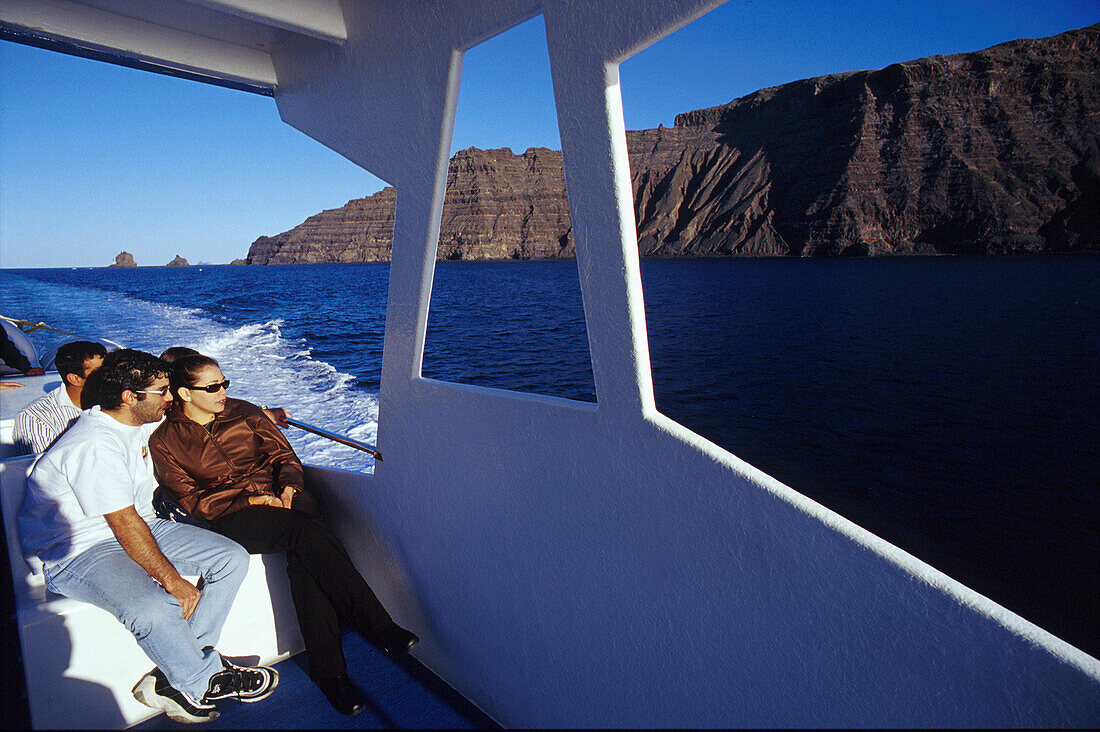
[{"x": 324, "y": 583}]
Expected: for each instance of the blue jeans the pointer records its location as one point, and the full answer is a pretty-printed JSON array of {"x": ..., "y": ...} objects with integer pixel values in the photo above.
[{"x": 105, "y": 576}]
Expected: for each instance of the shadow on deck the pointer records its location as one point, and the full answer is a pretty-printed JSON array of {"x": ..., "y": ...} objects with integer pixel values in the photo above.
[{"x": 401, "y": 694}]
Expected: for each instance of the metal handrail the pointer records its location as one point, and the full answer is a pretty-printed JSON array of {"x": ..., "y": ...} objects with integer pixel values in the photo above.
[
  {"x": 28, "y": 327},
  {"x": 335, "y": 437}
]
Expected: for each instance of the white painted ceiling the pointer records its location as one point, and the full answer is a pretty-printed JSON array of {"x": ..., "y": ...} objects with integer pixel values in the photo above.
[{"x": 227, "y": 42}]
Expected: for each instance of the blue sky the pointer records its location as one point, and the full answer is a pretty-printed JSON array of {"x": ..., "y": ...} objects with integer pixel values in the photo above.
[{"x": 96, "y": 159}]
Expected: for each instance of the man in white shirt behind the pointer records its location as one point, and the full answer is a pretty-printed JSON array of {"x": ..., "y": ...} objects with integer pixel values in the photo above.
[
  {"x": 88, "y": 516},
  {"x": 40, "y": 423}
]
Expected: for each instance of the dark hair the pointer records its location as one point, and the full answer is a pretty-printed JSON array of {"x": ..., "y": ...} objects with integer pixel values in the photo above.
[
  {"x": 70, "y": 357},
  {"x": 185, "y": 371},
  {"x": 126, "y": 369},
  {"x": 175, "y": 353}
]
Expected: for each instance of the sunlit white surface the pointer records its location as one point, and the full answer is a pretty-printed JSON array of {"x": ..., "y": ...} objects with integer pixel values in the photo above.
[{"x": 577, "y": 565}]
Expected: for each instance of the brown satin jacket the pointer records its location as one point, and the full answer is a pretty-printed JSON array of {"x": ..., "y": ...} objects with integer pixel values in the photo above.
[{"x": 213, "y": 473}]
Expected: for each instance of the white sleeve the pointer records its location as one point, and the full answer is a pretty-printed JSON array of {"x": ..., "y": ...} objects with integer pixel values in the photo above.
[{"x": 100, "y": 477}]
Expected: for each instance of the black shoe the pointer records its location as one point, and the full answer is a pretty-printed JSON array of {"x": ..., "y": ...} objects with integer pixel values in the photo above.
[
  {"x": 227, "y": 664},
  {"x": 342, "y": 695},
  {"x": 397, "y": 641},
  {"x": 242, "y": 683},
  {"x": 153, "y": 690}
]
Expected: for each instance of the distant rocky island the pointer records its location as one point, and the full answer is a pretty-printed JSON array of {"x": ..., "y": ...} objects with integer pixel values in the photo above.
[
  {"x": 992, "y": 152},
  {"x": 123, "y": 259}
]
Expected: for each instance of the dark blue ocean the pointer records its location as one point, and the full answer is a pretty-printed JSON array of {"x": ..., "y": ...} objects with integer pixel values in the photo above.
[{"x": 948, "y": 404}]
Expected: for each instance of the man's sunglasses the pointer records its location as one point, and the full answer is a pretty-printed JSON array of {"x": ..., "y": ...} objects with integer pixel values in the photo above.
[
  {"x": 159, "y": 392},
  {"x": 212, "y": 388}
]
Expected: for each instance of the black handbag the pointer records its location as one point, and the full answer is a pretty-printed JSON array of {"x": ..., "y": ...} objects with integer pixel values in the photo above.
[{"x": 169, "y": 509}]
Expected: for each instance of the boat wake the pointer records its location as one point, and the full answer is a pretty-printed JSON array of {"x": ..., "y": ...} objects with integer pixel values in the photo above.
[{"x": 265, "y": 366}]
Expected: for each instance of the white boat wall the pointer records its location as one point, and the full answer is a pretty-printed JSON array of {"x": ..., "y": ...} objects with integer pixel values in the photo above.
[{"x": 570, "y": 564}]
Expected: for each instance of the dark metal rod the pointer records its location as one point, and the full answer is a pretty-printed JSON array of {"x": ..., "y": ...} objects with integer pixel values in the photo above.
[{"x": 335, "y": 437}]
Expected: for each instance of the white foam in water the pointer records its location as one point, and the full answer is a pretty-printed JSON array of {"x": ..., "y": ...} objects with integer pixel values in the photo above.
[
  {"x": 265, "y": 367},
  {"x": 275, "y": 371}
]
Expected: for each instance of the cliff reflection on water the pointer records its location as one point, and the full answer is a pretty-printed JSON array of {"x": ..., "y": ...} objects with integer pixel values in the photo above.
[{"x": 947, "y": 404}]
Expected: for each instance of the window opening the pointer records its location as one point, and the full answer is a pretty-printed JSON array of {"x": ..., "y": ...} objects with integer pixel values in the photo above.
[
  {"x": 506, "y": 308},
  {"x": 937, "y": 401}
]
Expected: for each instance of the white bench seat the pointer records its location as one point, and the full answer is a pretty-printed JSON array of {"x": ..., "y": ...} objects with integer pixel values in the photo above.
[{"x": 80, "y": 662}]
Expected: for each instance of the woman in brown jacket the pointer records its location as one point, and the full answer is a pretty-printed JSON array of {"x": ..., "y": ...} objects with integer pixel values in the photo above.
[{"x": 227, "y": 463}]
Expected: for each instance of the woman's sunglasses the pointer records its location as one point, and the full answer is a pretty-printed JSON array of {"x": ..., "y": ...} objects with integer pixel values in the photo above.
[{"x": 212, "y": 388}]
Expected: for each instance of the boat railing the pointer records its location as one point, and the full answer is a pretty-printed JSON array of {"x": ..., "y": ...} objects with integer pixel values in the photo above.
[
  {"x": 26, "y": 327},
  {"x": 343, "y": 440}
]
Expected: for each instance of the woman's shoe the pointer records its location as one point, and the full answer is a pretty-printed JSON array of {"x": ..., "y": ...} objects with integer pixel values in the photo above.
[
  {"x": 342, "y": 695},
  {"x": 397, "y": 641}
]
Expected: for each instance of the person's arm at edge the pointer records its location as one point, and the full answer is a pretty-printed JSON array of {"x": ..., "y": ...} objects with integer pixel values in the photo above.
[
  {"x": 137, "y": 540},
  {"x": 278, "y": 415},
  {"x": 11, "y": 355}
]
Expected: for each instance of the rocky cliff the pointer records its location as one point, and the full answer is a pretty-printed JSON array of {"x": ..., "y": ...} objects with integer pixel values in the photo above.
[
  {"x": 498, "y": 206},
  {"x": 123, "y": 259},
  {"x": 996, "y": 151},
  {"x": 178, "y": 261}
]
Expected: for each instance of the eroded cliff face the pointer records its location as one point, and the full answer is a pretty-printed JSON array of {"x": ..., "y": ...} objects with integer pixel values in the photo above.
[
  {"x": 987, "y": 152},
  {"x": 991, "y": 152},
  {"x": 498, "y": 206},
  {"x": 361, "y": 231},
  {"x": 505, "y": 206},
  {"x": 694, "y": 196}
]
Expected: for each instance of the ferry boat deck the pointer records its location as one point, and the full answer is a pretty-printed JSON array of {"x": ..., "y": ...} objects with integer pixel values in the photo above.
[
  {"x": 401, "y": 694},
  {"x": 572, "y": 564}
]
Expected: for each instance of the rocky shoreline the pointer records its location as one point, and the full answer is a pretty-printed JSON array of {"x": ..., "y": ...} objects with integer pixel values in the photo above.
[{"x": 992, "y": 152}]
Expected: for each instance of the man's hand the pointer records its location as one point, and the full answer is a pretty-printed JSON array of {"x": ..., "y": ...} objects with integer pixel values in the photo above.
[
  {"x": 135, "y": 537},
  {"x": 36, "y": 371},
  {"x": 278, "y": 415},
  {"x": 187, "y": 594}
]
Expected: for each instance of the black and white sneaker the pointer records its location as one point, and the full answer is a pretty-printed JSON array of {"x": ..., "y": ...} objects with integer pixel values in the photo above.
[
  {"x": 227, "y": 663},
  {"x": 153, "y": 690},
  {"x": 241, "y": 683}
]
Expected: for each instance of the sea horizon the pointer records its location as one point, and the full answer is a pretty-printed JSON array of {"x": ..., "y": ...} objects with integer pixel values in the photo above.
[{"x": 890, "y": 255}]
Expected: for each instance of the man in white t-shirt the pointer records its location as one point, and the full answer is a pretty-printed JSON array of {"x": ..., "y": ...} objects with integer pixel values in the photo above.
[
  {"x": 88, "y": 516},
  {"x": 42, "y": 421}
]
